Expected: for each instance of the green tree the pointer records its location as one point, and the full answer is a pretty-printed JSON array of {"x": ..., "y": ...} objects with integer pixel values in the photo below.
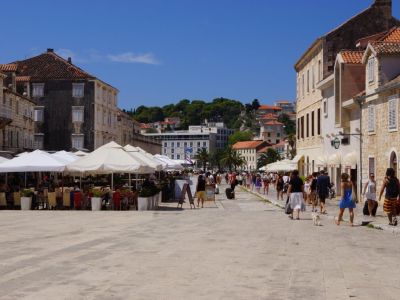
[
  {"x": 240, "y": 136},
  {"x": 202, "y": 157},
  {"x": 255, "y": 104},
  {"x": 216, "y": 157},
  {"x": 232, "y": 159},
  {"x": 290, "y": 126},
  {"x": 268, "y": 157},
  {"x": 291, "y": 139}
]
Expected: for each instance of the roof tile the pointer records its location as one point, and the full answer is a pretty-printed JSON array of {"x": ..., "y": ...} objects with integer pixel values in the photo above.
[
  {"x": 352, "y": 57},
  {"x": 387, "y": 48},
  {"x": 271, "y": 107},
  {"x": 8, "y": 67},
  {"x": 247, "y": 144}
]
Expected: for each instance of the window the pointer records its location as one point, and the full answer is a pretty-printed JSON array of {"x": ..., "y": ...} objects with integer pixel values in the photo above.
[
  {"x": 325, "y": 106},
  {"x": 165, "y": 144},
  {"x": 298, "y": 128},
  {"x": 319, "y": 70},
  {"x": 77, "y": 113},
  {"x": 38, "y": 141},
  {"x": 319, "y": 121},
  {"x": 38, "y": 115},
  {"x": 178, "y": 156},
  {"x": 178, "y": 144},
  {"x": 313, "y": 77},
  {"x": 371, "y": 118},
  {"x": 191, "y": 144},
  {"x": 312, "y": 124},
  {"x": 185, "y": 144},
  {"x": 172, "y": 144},
  {"x": 278, "y": 134},
  {"x": 302, "y": 85},
  {"x": 302, "y": 127},
  {"x": 268, "y": 134},
  {"x": 371, "y": 69},
  {"x": 172, "y": 156},
  {"x": 77, "y": 141},
  {"x": 17, "y": 107},
  {"x": 172, "y": 150},
  {"x": 308, "y": 125},
  {"x": 165, "y": 151},
  {"x": 308, "y": 81},
  {"x": 278, "y": 141},
  {"x": 38, "y": 89},
  {"x": 78, "y": 90},
  {"x": 204, "y": 144},
  {"x": 198, "y": 144},
  {"x": 371, "y": 165},
  {"x": 392, "y": 109}
]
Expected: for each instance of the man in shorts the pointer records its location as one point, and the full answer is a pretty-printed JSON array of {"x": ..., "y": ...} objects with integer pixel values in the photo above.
[
  {"x": 313, "y": 192},
  {"x": 323, "y": 184},
  {"x": 201, "y": 190}
]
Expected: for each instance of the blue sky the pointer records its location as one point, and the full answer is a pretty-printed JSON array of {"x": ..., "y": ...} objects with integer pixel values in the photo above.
[{"x": 157, "y": 52}]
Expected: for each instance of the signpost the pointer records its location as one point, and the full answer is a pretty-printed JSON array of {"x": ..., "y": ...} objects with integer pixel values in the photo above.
[{"x": 186, "y": 190}]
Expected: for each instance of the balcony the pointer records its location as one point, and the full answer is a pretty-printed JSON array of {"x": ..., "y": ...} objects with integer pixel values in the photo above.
[{"x": 5, "y": 115}]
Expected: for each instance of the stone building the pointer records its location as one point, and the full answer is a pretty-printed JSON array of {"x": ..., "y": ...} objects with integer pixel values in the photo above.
[
  {"x": 250, "y": 151},
  {"x": 317, "y": 64},
  {"x": 75, "y": 110},
  {"x": 380, "y": 106},
  {"x": 16, "y": 116}
]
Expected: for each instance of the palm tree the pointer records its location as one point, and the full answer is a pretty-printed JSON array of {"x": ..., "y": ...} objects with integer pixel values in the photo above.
[
  {"x": 202, "y": 157},
  {"x": 291, "y": 139},
  {"x": 232, "y": 159},
  {"x": 268, "y": 157}
]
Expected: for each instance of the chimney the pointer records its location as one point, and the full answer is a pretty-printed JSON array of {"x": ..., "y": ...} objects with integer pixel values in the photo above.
[
  {"x": 50, "y": 50},
  {"x": 70, "y": 60},
  {"x": 385, "y": 6}
]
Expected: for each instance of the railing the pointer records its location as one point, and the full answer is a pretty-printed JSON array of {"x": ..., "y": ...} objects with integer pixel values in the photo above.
[{"x": 5, "y": 112}]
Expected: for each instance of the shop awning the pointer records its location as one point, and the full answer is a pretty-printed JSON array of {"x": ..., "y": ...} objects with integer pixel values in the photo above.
[
  {"x": 334, "y": 160},
  {"x": 350, "y": 160},
  {"x": 297, "y": 158},
  {"x": 322, "y": 161}
]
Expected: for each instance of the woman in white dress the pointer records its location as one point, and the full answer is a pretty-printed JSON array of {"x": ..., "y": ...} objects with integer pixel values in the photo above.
[
  {"x": 296, "y": 194},
  {"x": 370, "y": 193}
]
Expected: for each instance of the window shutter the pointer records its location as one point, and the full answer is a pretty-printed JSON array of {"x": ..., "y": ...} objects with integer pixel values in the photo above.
[
  {"x": 392, "y": 110},
  {"x": 371, "y": 118}
]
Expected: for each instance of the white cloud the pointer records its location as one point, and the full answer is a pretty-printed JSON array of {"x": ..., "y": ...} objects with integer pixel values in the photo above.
[{"x": 132, "y": 58}]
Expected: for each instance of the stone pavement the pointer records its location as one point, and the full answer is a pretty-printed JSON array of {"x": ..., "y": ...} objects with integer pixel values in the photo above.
[
  {"x": 232, "y": 249},
  {"x": 332, "y": 207}
]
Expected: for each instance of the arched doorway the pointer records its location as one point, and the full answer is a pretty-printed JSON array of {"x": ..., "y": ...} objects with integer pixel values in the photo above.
[{"x": 393, "y": 161}]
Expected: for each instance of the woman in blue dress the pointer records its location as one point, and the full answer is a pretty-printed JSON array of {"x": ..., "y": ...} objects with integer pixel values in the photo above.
[{"x": 346, "y": 201}]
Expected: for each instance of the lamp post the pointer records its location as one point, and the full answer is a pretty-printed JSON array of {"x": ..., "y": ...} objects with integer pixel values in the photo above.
[{"x": 336, "y": 143}]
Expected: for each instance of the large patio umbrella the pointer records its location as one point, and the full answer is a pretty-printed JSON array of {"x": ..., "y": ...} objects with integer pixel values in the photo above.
[
  {"x": 36, "y": 161},
  {"x": 65, "y": 157},
  {"x": 108, "y": 159},
  {"x": 171, "y": 165},
  {"x": 2, "y": 159},
  {"x": 140, "y": 154}
]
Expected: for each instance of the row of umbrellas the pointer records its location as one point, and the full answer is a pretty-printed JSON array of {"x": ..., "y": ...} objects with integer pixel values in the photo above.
[
  {"x": 285, "y": 165},
  {"x": 109, "y": 158}
]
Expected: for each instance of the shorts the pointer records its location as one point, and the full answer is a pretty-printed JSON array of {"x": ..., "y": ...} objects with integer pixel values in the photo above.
[
  {"x": 322, "y": 198},
  {"x": 389, "y": 205},
  {"x": 201, "y": 195}
]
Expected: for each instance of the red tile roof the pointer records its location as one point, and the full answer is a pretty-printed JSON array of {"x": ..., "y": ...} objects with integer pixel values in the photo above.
[
  {"x": 352, "y": 57},
  {"x": 269, "y": 116},
  {"x": 262, "y": 150},
  {"x": 273, "y": 123},
  {"x": 145, "y": 126},
  {"x": 49, "y": 65},
  {"x": 279, "y": 145},
  {"x": 392, "y": 36},
  {"x": 247, "y": 144},
  {"x": 8, "y": 67},
  {"x": 269, "y": 107},
  {"x": 22, "y": 78},
  {"x": 387, "y": 48}
]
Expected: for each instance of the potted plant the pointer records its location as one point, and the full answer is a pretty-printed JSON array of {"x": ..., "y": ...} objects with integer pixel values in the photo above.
[
  {"x": 26, "y": 199},
  {"x": 146, "y": 198},
  {"x": 96, "y": 200}
]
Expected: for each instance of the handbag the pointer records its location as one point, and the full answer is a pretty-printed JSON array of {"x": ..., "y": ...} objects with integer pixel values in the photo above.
[{"x": 288, "y": 209}]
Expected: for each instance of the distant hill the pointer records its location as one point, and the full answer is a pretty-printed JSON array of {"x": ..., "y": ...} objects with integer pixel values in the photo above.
[{"x": 194, "y": 112}]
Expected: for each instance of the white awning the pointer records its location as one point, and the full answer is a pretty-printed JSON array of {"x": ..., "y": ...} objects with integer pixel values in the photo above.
[
  {"x": 350, "y": 159},
  {"x": 334, "y": 160},
  {"x": 36, "y": 161},
  {"x": 322, "y": 161},
  {"x": 297, "y": 158}
]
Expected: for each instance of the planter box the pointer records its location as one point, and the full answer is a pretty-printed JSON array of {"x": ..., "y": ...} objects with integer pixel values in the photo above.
[
  {"x": 26, "y": 203},
  {"x": 96, "y": 203},
  {"x": 143, "y": 203}
]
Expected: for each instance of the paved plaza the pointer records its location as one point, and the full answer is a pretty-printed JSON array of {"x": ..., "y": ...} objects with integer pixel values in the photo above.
[{"x": 233, "y": 249}]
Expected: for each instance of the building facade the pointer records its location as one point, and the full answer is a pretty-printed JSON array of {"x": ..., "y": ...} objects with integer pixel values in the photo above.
[
  {"x": 250, "y": 151},
  {"x": 185, "y": 144},
  {"x": 380, "y": 106},
  {"x": 316, "y": 65},
  {"x": 16, "y": 117}
]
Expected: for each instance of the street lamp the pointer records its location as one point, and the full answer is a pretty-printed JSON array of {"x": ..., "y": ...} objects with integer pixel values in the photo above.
[{"x": 336, "y": 143}]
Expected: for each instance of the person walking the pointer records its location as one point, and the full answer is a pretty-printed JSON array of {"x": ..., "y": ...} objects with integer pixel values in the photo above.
[
  {"x": 296, "y": 194},
  {"x": 370, "y": 194},
  {"x": 258, "y": 183},
  {"x": 307, "y": 190},
  {"x": 279, "y": 187},
  {"x": 391, "y": 185},
  {"x": 313, "y": 192},
  {"x": 253, "y": 180},
  {"x": 323, "y": 184},
  {"x": 266, "y": 183},
  {"x": 201, "y": 190},
  {"x": 347, "y": 199}
]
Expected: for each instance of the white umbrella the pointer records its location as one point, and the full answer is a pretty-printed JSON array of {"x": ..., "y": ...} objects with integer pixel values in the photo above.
[
  {"x": 108, "y": 159},
  {"x": 2, "y": 159},
  {"x": 65, "y": 157},
  {"x": 80, "y": 153},
  {"x": 171, "y": 165},
  {"x": 140, "y": 155},
  {"x": 36, "y": 161}
]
